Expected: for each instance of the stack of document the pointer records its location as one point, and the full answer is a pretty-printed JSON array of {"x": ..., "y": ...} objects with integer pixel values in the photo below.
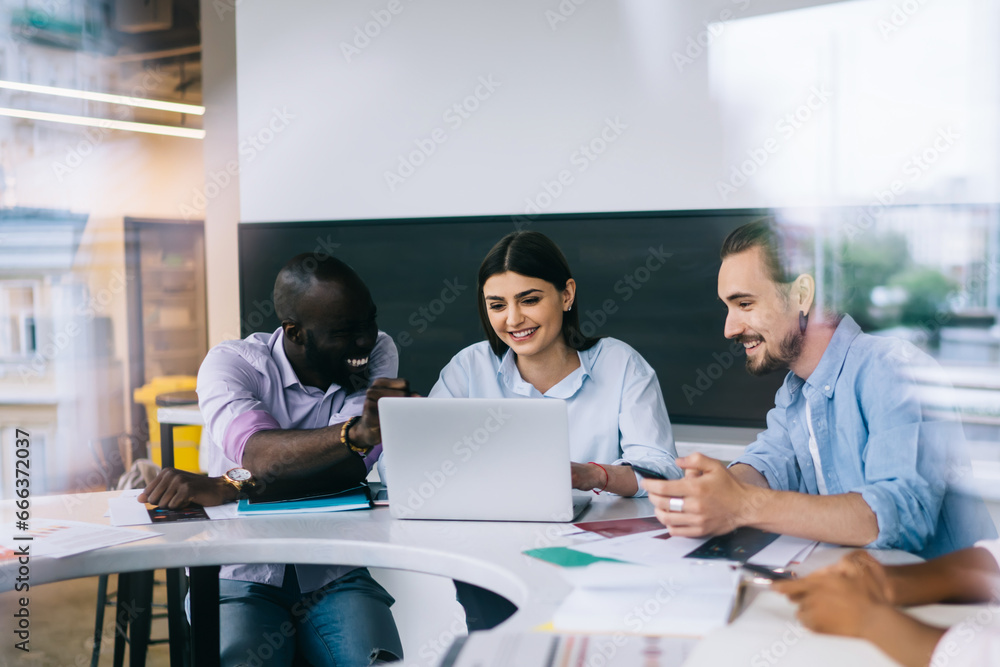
[
  {"x": 687, "y": 598},
  {"x": 354, "y": 498}
]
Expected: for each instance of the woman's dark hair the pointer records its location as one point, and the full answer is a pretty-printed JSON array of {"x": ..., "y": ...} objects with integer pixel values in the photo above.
[{"x": 534, "y": 255}]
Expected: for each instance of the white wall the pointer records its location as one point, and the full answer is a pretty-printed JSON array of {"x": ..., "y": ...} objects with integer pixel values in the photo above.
[{"x": 326, "y": 111}]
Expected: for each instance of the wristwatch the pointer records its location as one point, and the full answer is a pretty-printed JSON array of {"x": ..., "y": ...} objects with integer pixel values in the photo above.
[{"x": 241, "y": 479}]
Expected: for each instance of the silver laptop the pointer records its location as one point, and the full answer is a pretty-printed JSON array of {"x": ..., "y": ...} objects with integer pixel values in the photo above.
[{"x": 478, "y": 459}]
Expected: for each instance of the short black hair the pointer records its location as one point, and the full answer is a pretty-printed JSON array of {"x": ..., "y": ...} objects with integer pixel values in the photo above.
[
  {"x": 300, "y": 273},
  {"x": 763, "y": 234},
  {"x": 531, "y": 254}
]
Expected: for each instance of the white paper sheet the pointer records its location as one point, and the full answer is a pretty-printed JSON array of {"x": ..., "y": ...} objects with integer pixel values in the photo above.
[
  {"x": 58, "y": 539},
  {"x": 126, "y": 510},
  {"x": 646, "y": 549},
  {"x": 659, "y": 548},
  {"x": 542, "y": 650},
  {"x": 783, "y": 551},
  {"x": 687, "y": 598}
]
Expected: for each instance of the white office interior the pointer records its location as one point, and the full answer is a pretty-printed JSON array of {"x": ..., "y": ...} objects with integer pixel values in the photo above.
[{"x": 395, "y": 108}]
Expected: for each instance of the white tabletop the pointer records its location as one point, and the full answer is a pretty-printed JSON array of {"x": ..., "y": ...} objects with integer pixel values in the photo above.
[{"x": 488, "y": 554}]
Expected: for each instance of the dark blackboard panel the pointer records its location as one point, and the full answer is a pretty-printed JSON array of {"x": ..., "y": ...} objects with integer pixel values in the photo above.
[{"x": 646, "y": 278}]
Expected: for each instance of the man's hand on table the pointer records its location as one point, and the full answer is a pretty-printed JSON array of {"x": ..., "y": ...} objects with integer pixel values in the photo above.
[{"x": 174, "y": 489}]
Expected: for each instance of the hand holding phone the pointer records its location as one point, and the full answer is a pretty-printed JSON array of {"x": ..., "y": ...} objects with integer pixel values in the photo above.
[{"x": 647, "y": 473}]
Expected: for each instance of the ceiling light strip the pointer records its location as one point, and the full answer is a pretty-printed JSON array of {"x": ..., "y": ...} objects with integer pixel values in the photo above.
[
  {"x": 168, "y": 130},
  {"x": 142, "y": 102}
]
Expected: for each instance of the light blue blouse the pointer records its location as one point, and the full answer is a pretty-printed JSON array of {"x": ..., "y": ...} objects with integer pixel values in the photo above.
[{"x": 616, "y": 409}]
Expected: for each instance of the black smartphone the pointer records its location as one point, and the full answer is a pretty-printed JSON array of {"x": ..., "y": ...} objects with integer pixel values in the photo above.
[
  {"x": 646, "y": 472},
  {"x": 768, "y": 573}
]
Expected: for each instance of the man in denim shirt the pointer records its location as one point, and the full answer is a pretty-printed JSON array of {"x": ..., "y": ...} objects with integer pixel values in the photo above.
[{"x": 849, "y": 455}]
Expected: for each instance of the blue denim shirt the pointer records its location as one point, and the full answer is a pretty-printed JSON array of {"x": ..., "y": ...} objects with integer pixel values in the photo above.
[{"x": 875, "y": 439}]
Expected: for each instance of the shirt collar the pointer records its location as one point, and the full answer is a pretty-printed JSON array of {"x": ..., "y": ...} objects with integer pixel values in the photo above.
[
  {"x": 288, "y": 376},
  {"x": 824, "y": 378},
  {"x": 565, "y": 388}
]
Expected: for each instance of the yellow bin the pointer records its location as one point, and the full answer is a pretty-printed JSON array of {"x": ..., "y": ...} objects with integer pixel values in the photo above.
[{"x": 186, "y": 438}]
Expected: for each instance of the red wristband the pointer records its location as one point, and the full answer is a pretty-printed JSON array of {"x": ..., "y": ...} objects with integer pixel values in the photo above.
[{"x": 607, "y": 477}]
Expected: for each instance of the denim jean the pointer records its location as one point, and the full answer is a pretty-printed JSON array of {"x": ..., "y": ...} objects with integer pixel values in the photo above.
[{"x": 347, "y": 623}]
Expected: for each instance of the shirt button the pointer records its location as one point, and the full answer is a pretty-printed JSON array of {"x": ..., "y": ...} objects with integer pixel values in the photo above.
[{"x": 826, "y": 388}]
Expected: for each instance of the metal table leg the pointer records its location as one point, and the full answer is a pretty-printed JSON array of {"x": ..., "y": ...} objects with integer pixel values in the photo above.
[{"x": 205, "y": 615}]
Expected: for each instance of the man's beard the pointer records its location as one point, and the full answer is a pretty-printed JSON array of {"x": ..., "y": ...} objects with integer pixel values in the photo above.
[{"x": 788, "y": 352}]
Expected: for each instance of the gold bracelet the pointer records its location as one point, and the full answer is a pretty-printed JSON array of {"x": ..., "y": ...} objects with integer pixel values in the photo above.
[{"x": 347, "y": 442}]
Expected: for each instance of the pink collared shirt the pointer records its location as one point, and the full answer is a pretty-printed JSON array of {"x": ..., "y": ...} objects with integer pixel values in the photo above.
[{"x": 246, "y": 386}]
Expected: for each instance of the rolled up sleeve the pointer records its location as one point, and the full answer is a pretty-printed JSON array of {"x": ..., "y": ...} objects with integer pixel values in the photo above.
[
  {"x": 905, "y": 466},
  {"x": 646, "y": 437},
  {"x": 228, "y": 397}
]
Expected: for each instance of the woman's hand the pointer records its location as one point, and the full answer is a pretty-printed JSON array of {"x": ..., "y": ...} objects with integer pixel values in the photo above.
[
  {"x": 600, "y": 477},
  {"x": 588, "y": 476}
]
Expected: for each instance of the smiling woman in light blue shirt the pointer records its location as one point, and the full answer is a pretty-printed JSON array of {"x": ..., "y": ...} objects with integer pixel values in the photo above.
[
  {"x": 534, "y": 349},
  {"x": 528, "y": 307}
]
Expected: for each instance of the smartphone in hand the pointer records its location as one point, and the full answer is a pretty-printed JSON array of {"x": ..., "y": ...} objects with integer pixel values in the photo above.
[
  {"x": 647, "y": 473},
  {"x": 768, "y": 573}
]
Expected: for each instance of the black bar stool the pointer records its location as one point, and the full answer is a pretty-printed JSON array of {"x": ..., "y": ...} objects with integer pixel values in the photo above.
[{"x": 176, "y": 584}]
